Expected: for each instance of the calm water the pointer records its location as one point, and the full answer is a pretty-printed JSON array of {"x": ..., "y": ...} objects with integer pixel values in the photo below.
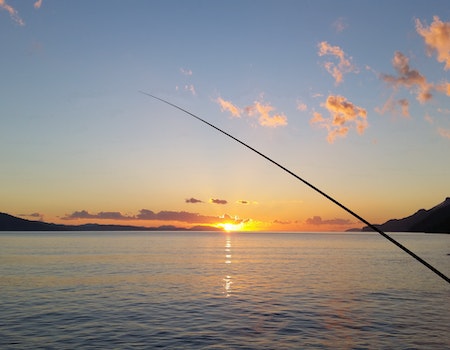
[{"x": 222, "y": 291}]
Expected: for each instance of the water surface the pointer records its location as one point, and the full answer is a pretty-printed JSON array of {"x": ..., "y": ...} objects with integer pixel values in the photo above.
[{"x": 222, "y": 291}]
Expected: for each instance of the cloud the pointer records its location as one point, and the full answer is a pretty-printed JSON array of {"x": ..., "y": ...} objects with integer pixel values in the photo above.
[
  {"x": 193, "y": 200},
  {"x": 12, "y": 12},
  {"x": 302, "y": 107},
  {"x": 182, "y": 216},
  {"x": 342, "y": 67},
  {"x": 340, "y": 24},
  {"x": 445, "y": 133},
  {"x": 187, "y": 72},
  {"x": 261, "y": 110},
  {"x": 392, "y": 106},
  {"x": 228, "y": 106},
  {"x": 38, "y": 4},
  {"x": 191, "y": 89},
  {"x": 437, "y": 39},
  {"x": 281, "y": 222},
  {"x": 218, "y": 201},
  {"x": 317, "y": 220},
  {"x": 104, "y": 215},
  {"x": 343, "y": 116},
  {"x": 244, "y": 202},
  {"x": 38, "y": 216},
  {"x": 145, "y": 214},
  {"x": 409, "y": 78}
]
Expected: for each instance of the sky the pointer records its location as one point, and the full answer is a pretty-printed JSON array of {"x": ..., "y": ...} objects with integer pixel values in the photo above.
[{"x": 352, "y": 96}]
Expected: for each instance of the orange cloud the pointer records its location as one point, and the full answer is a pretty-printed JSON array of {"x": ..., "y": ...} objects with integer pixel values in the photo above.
[
  {"x": 343, "y": 66},
  {"x": 409, "y": 78},
  {"x": 343, "y": 116},
  {"x": 437, "y": 39},
  {"x": 260, "y": 109},
  {"x": 12, "y": 12},
  {"x": 265, "y": 119},
  {"x": 228, "y": 106},
  {"x": 38, "y": 4}
]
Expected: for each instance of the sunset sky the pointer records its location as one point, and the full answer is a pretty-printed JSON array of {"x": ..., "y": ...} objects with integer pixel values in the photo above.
[{"x": 353, "y": 96}]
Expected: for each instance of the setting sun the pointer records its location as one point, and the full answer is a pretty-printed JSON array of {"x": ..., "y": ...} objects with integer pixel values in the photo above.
[{"x": 232, "y": 227}]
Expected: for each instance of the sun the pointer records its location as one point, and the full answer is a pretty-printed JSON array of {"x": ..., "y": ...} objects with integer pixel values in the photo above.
[{"x": 228, "y": 227}]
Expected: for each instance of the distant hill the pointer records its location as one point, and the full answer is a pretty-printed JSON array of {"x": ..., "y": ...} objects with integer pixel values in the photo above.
[
  {"x": 12, "y": 223},
  {"x": 434, "y": 220}
]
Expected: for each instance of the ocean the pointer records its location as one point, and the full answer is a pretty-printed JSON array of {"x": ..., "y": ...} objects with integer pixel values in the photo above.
[{"x": 203, "y": 290}]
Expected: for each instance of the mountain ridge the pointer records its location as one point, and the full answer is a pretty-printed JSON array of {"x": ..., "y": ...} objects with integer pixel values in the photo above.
[
  {"x": 12, "y": 223},
  {"x": 434, "y": 220}
]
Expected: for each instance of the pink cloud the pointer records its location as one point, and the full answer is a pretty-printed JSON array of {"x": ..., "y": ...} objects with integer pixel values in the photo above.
[
  {"x": 409, "y": 78},
  {"x": 340, "y": 24},
  {"x": 38, "y": 4},
  {"x": 445, "y": 133},
  {"x": 342, "y": 67},
  {"x": 437, "y": 39},
  {"x": 302, "y": 107},
  {"x": 12, "y": 12},
  {"x": 392, "y": 106},
  {"x": 343, "y": 116},
  {"x": 186, "y": 71},
  {"x": 317, "y": 220}
]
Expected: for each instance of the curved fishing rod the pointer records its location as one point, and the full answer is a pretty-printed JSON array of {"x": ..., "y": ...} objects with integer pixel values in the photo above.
[{"x": 373, "y": 227}]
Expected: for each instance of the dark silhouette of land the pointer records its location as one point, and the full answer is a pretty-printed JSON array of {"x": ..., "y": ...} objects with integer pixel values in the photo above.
[
  {"x": 12, "y": 223},
  {"x": 434, "y": 220}
]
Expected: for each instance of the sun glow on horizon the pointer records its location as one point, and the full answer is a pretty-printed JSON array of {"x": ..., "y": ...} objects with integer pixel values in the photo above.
[{"x": 229, "y": 227}]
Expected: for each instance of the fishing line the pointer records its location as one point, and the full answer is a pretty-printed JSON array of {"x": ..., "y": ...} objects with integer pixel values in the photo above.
[{"x": 373, "y": 227}]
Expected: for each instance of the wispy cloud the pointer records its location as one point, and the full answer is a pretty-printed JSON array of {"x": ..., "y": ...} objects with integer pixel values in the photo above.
[
  {"x": 317, "y": 220},
  {"x": 340, "y": 24},
  {"x": 260, "y": 109},
  {"x": 104, "y": 215},
  {"x": 393, "y": 106},
  {"x": 38, "y": 4},
  {"x": 187, "y": 72},
  {"x": 302, "y": 107},
  {"x": 228, "y": 106},
  {"x": 265, "y": 118},
  {"x": 191, "y": 89},
  {"x": 437, "y": 39},
  {"x": 37, "y": 216},
  {"x": 343, "y": 66},
  {"x": 145, "y": 214},
  {"x": 218, "y": 201},
  {"x": 444, "y": 132},
  {"x": 193, "y": 200},
  {"x": 343, "y": 116},
  {"x": 408, "y": 78},
  {"x": 12, "y": 12}
]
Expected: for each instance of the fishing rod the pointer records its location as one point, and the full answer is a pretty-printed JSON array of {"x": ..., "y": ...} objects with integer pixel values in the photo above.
[{"x": 351, "y": 212}]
